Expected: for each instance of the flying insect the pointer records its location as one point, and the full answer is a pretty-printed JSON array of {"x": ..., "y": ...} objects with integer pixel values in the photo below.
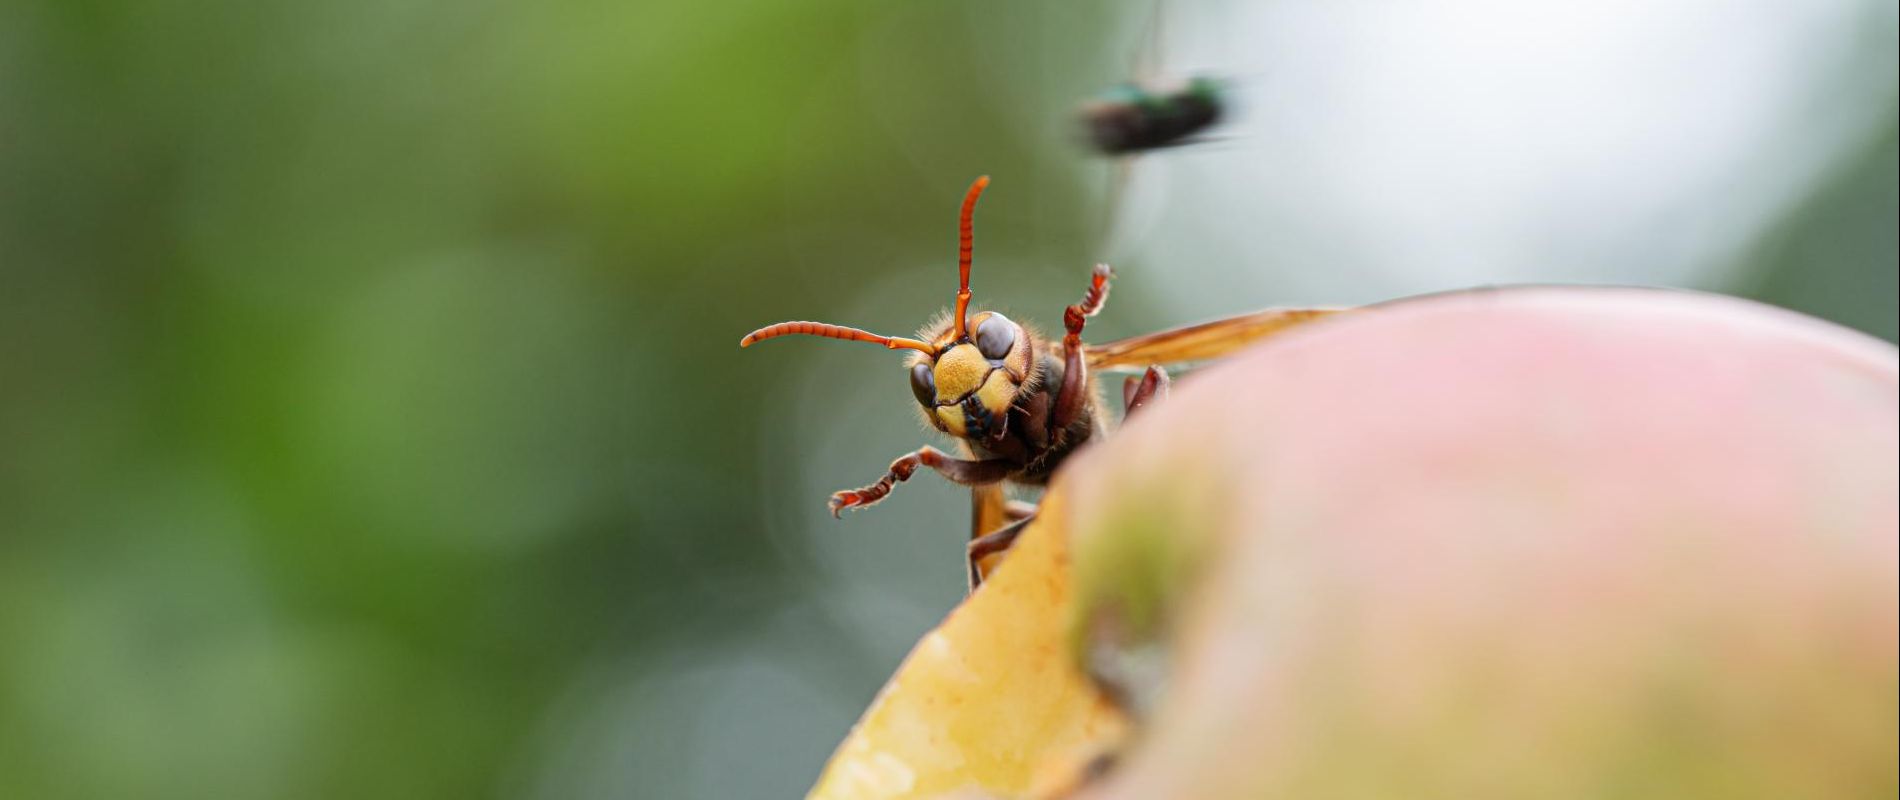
[
  {"x": 1132, "y": 118},
  {"x": 1019, "y": 404},
  {"x": 1147, "y": 114}
]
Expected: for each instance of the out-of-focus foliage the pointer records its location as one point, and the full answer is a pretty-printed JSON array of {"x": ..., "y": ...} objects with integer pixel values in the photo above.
[
  {"x": 371, "y": 421},
  {"x": 1837, "y": 255}
]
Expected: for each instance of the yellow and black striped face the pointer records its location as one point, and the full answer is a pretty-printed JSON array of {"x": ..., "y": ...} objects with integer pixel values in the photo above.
[{"x": 967, "y": 388}]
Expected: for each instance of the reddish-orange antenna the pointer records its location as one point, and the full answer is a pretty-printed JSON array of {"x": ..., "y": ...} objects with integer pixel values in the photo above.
[
  {"x": 965, "y": 238},
  {"x": 833, "y": 332}
]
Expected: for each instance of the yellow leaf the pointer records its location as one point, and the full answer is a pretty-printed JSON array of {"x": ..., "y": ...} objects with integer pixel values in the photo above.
[{"x": 987, "y": 699}]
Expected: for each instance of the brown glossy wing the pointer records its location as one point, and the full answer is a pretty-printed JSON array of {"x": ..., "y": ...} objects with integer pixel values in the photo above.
[{"x": 1199, "y": 342}]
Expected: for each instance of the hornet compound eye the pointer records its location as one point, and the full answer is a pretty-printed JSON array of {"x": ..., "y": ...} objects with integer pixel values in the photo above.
[
  {"x": 923, "y": 383},
  {"x": 995, "y": 336}
]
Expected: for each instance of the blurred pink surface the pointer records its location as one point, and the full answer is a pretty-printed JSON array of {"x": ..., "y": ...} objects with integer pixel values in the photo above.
[{"x": 1552, "y": 541}]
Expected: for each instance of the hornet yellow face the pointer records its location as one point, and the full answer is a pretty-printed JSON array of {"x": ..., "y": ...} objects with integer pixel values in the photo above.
[
  {"x": 967, "y": 386},
  {"x": 968, "y": 372}
]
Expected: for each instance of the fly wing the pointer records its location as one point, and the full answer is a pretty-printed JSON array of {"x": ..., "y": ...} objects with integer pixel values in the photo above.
[{"x": 1200, "y": 342}]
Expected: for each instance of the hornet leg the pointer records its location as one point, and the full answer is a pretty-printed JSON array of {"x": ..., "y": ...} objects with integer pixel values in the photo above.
[
  {"x": 1075, "y": 375},
  {"x": 968, "y": 473},
  {"x": 1152, "y": 386},
  {"x": 991, "y": 544},
  {"x": 1018, "y": 510}
]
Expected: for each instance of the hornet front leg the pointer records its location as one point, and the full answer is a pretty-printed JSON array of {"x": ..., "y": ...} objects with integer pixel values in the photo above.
[
  {"x": 968, "y": 473},
  {"x": 1075, "y": 376}
]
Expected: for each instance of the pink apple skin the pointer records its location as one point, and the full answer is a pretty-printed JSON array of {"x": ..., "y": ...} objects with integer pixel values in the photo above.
[{"x": 1551, "y": 543}]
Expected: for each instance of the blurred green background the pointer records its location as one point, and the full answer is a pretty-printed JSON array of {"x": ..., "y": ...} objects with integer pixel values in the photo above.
[{"x": 371, "y": 417}]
